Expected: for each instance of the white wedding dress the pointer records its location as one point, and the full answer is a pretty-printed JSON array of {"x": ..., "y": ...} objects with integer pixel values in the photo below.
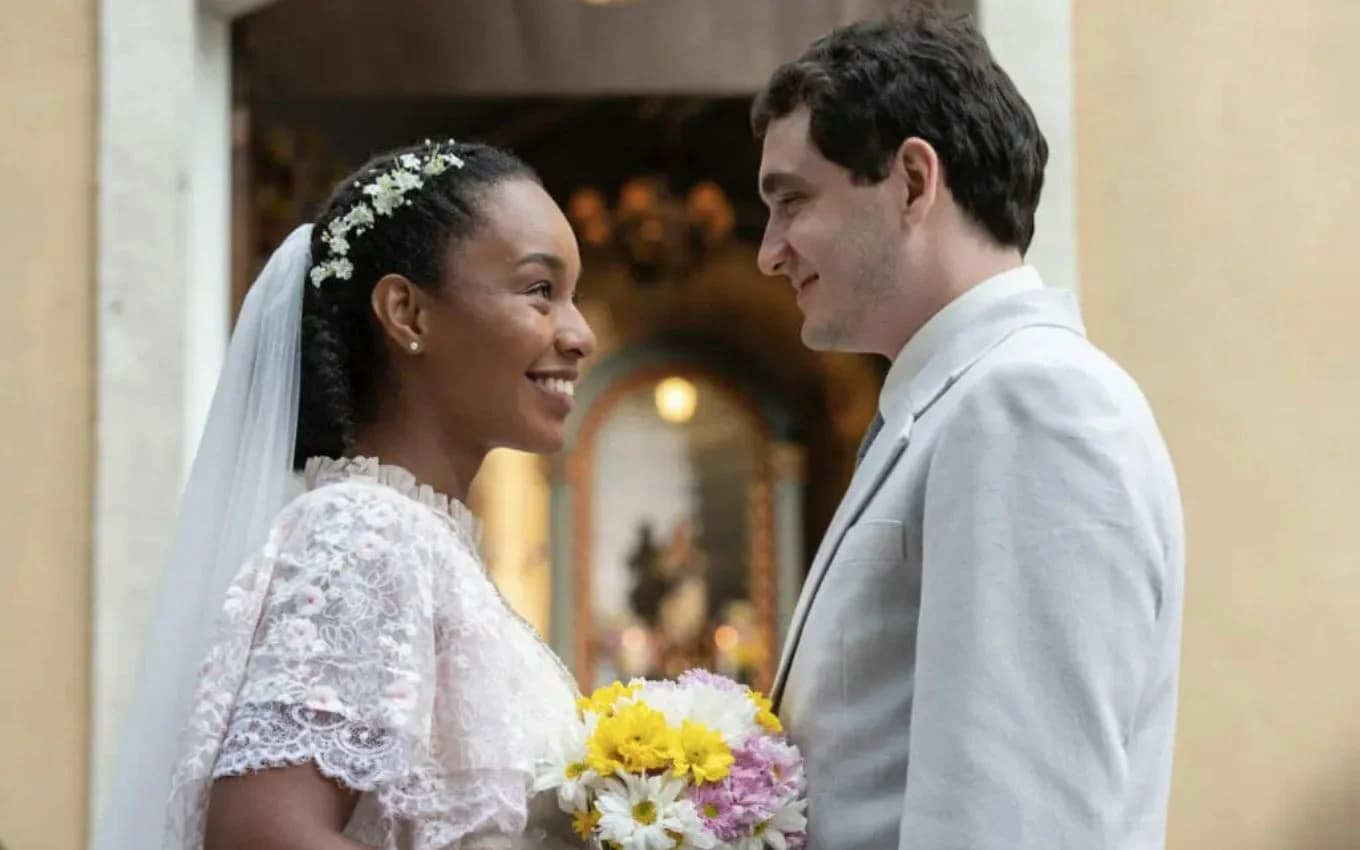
[{"x": 367, "y": 639}]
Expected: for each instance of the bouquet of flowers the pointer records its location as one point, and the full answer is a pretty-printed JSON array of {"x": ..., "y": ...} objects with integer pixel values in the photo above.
[{"x": 699, "y": 763}]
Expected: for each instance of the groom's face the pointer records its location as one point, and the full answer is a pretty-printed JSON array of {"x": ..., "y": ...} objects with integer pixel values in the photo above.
[{"x": 835, "y": 240}]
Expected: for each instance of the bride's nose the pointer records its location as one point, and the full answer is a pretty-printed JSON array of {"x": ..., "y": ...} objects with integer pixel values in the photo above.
[{"x": 574, "y": 336}]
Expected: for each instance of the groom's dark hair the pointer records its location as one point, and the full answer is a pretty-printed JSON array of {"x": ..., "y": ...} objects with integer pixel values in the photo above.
[{"x": 921, "y": 72}]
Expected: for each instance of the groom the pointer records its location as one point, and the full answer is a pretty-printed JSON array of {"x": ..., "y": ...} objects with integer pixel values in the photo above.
[{"x": 985, "y": 653}]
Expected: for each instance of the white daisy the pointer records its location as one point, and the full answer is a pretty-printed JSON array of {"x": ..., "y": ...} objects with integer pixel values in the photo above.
[
  {"x": 564, "y": 768},
  {"x": 773, "y": 833},
  {"x": 726, "y": 711},
  {"x": 648, "y": 813},
  {"x": 693, "y": 835}
]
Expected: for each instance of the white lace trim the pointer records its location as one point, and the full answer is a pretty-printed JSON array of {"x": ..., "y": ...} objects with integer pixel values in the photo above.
[
  {"x": 260, "y": 737},
  {"x": 321, "y": 471}
]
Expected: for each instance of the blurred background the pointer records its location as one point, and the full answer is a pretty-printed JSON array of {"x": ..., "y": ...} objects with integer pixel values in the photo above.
[{"x": 1201, "y": 199}]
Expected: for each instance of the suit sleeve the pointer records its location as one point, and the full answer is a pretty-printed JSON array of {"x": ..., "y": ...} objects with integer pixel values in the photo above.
[{"x": 1042, "y": 571}]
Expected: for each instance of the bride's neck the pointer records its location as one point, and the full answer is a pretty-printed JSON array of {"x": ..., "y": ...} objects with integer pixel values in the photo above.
[{"x": 422, "y": 450}]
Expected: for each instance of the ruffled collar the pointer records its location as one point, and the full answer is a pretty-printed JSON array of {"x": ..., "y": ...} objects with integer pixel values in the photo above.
[{"x": 321, "y": 471}]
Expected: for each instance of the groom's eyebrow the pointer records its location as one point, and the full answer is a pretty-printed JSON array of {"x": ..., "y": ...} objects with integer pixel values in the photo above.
[{"x": 777, "y": 181}]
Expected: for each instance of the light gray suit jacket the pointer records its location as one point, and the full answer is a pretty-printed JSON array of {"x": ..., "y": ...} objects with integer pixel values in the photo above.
[{"x": 985, "y": 653}]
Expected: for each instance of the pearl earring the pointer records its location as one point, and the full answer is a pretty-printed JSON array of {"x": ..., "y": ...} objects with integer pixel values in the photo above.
[{"x": 415, "y": 346}]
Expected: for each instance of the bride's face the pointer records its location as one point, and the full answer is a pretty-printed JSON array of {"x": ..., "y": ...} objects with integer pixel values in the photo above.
[{"x": 505, "y": 335}]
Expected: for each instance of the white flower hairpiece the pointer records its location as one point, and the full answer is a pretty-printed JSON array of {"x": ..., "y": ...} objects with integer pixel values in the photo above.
[{"x": 386, "y": 194}]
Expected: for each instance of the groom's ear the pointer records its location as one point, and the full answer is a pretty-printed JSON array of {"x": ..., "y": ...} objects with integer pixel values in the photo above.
[
  {"x": 916, "y": 167},
  {"x": 397, "y": 304}
]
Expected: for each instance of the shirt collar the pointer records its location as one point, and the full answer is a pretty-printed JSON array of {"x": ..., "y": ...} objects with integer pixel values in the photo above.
[{"x": 954, "y": 316}]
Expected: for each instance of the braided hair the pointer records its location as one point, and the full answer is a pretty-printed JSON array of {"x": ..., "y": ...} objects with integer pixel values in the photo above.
[{"x": 343, "y": 359}]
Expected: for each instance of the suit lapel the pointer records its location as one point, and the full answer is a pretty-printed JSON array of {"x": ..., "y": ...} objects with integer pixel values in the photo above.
[
  {"x": 1046, "y": 307},
  {"x": 869, "y": 476}
]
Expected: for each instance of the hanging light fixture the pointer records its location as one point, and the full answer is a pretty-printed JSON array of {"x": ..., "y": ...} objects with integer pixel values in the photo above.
[
  {"x": 658, "y": 234},
  {"x": 676, "y": 400}
]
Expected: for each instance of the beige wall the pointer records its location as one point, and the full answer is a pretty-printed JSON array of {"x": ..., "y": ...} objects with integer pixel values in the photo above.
[
  {"x": 1219, "y": 174},
  {"x": 47, "y": 100}
]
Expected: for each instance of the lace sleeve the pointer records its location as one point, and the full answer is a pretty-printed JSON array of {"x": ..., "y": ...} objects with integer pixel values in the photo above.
[
  {"x": 347, "y": 627},
  {"x": 331, "y": 653},
  {"x": 342, "y": 664}
]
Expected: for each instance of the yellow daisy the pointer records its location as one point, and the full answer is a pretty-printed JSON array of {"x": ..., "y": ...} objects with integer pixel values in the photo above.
[
  {"x": 603, "y": 701},
  {"x": 634, "y": 739},
  {"x": 702, "y": 753},
  {"x": 584, "y": 822},
  {"x": 765, "y": 715}
]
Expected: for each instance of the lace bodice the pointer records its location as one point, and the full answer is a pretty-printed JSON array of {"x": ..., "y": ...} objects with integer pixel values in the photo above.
[{"x": 366, "y": 638}]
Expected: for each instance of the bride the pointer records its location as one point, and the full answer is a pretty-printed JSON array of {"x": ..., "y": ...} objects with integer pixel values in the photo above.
[{"x": 359, "y": 682}]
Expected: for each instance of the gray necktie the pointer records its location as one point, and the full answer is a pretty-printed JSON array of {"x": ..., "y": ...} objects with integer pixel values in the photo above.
[{"x": 874, "y": 428}]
